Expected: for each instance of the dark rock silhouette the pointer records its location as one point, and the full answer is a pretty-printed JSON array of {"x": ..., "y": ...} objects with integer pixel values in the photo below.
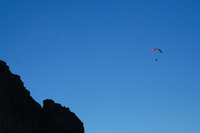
[{"x": 20, "y": 113}]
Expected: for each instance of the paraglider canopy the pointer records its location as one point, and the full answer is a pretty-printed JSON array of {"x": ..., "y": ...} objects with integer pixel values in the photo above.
[{"x": 157, "y": 49}]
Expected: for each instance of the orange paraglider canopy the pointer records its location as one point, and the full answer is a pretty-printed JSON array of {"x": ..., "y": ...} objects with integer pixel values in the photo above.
[{"x": 156, "y": 49}]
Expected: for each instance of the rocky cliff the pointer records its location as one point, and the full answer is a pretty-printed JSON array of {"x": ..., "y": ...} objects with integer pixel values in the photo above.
[{"x": 20, "y": 113}]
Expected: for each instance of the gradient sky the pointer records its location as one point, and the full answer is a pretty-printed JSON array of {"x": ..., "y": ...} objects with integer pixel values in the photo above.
[{"x": 94, "y": 56}]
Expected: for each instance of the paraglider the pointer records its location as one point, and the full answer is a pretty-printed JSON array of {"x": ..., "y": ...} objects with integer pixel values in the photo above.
[{"x": 158, "y": 50}]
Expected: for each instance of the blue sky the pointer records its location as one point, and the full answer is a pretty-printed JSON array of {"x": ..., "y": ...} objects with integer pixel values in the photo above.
[{"x": 94, "y": 56}]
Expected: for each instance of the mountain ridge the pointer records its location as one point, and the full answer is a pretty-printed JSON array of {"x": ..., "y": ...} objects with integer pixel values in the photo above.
[{"x": 20, "y": 113}]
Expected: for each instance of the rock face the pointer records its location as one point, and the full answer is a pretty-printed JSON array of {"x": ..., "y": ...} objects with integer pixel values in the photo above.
[{"x": 20, "y": 113}]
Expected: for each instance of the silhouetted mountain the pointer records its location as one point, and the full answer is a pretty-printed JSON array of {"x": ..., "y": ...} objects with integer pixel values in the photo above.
[{"x": 20, "y": 113}]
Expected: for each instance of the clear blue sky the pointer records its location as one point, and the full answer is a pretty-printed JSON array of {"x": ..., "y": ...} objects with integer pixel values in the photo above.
[{"x": 94, "y": 56}]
